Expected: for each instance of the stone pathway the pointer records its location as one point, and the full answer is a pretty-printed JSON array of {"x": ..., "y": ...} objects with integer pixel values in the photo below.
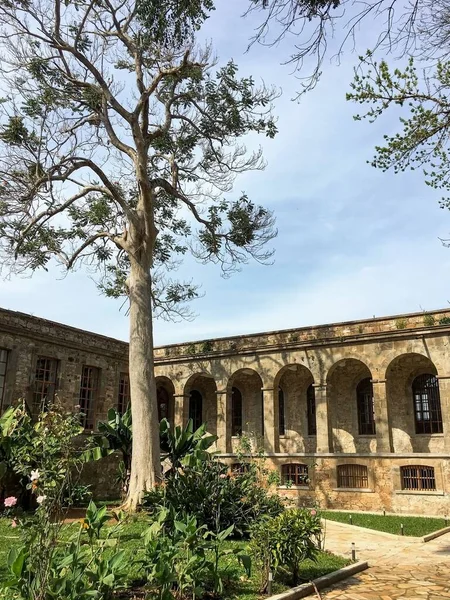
[{"x": 399, "y": 567}]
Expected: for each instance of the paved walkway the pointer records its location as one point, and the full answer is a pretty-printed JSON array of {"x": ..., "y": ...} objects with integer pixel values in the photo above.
[{"x": 399, "y": 567}]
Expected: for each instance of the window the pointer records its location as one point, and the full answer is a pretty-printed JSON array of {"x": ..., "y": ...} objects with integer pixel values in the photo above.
[
  {"x": 366, "y": 414},
  {"x": 236, "y": 412},
  {"x": 295, "y": 474},
  {"x": 3, "y": 363},
  {"x": 164, "y": 404},
  {"x": 196, "y": 408},
  {"x": 418, "y": 478},
  {"x": 311, "y": 410},
  {"x": 352, "y": 476},
  {"x": 281, "y": 422},
  {"x": 123, "y": 399},
  {"x": 88, "y": 395},
  {"x": 427, "y": 404},
  {"x": 44, "y": 383}
]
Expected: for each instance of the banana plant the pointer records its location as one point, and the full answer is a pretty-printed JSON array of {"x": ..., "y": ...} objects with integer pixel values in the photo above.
[{"x": 183, "y": 446}]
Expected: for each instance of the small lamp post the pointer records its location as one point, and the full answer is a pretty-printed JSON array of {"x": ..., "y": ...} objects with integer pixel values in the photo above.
[{"x": 353, "y": 552}]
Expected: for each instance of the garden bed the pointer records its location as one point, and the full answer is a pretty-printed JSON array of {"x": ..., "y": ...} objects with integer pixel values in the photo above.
[
  {"x": 237, "y": 583},
  {"x": 412, "y": 526}
]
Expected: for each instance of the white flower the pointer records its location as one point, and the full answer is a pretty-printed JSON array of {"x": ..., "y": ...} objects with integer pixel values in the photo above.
[
  {"x": 40, "y": 499},
  {"x": 34, "y": 475}
]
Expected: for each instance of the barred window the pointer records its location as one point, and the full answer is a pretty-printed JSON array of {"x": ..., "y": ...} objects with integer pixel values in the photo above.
[
  {"x": 366, "y": 413},
  {"x": 239, "y": 468},
  {"x": 418, "y": 478},
  {"x": 196, "y": 408},
  {"x": 281, "y": 409},
  {"x": 88, "y": 395},
  {"x": 236, "y": 412},
  {"x": 123, "y": 399},
  {"x": 311, "y": 410},
  {"x": 295, "y": 474},
  {"x": 44, "y": 383},
  {"x": 164, "y": 404},
  {"x": 352, "y": 476},
  {"x": 427, "y": 404},
  {"x": 3, "y": 364}
]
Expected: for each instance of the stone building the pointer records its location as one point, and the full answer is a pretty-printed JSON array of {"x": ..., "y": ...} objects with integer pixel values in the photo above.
[{"x": 354, "y": 415}]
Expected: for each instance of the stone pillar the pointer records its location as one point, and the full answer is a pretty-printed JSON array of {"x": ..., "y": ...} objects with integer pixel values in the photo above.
[
  {"x": 224, "y": 420},
  {"x": 382, "y": 427},
  {"x": 322, "y": 420},
  {"x": 269, "y": 400},
  {"x": 181, "y": 407},
  {"x": 444, "y": 393}
]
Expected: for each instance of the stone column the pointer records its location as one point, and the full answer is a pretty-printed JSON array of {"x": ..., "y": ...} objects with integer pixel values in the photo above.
[
  {"x": 224, "y": 420},
  {"x": 444, "y": 393},
  {"x": 269, "y": 411},
  {"x": 380, "y": 405},
  {"x": 180, "y": 409},
  {"x": 322, "y": 420}
]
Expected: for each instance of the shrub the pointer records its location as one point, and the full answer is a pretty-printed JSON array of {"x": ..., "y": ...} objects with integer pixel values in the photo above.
[
  {"x": 401, "y": 323},
  {"x": 285, "y": 541},
  {"x": 217, "y": 497},
  {"x": 444, "y": 321},
  {"x": 429, "y": 320}
]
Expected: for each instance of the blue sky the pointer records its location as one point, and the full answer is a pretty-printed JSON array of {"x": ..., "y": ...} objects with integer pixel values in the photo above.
[{"x": 353, "y": 242}]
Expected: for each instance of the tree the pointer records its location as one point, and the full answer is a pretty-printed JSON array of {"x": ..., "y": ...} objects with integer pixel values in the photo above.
[
  {"x": 118, "y": 141},
  {"x": 423, "y": 141}
]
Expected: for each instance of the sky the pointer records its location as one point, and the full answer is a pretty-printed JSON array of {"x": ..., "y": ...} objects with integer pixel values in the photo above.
[{"x": 352, "y": 242}]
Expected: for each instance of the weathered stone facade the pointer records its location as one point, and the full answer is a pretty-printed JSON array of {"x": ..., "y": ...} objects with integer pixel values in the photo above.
[{"x": 359, "y": 382}]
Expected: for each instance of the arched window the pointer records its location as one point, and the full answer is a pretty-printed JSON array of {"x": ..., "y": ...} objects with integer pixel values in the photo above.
[
  {"x": 196, "y": 408},
  {"x": 311, "y": 410},
  {"x": 281, "y": 422},
  {"x": 417, "y": 478},
  {"x": 294, "y": 474},
  {"x": 366, "y": 414},
  {"x": 236, "y": 412},
  {"x": 427, "y": 404},
  {"x": 163, "y": 403},
  {"x": 352, "y": 476}
]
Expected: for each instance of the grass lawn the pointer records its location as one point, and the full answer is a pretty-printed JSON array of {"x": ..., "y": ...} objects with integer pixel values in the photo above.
[
  {"x": 237, "y": 584},
  {"x": 412, "y": 526}
]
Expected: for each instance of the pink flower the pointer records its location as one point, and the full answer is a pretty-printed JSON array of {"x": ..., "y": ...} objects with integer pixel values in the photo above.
[
  {"x": 77, "y": 406},
  {"x": 40, "y": 499},
  {"x": 13, "y": 523},
  {"x": 223, "y": 476},
  {"x": 313, "y": 512},
  {"x": 10, "y": 501}
]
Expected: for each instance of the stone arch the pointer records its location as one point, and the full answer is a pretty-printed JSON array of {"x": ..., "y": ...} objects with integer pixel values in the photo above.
[
  {"x": 401, "y": 372},
  {"x": 342, "y": 381},
  {"x": 293, "y": 380},
  {"x": 200, "y": 391},
  {"x": 165, "y": 394},
  {"x": 250, "y": 385}
]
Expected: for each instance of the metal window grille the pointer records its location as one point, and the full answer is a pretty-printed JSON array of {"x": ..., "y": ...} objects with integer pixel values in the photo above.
[
  {"x": 281, "y": 409},
  {"x": 123, "y": 399},
  {"x": 427, "y": 404},
  {"x": 366, "y": 412},
  {"x": 418, "y": 478},
  {"x": 196, "y": 408},
  {"x": 239, "y": 468},
  {"x": 295, "y": 474},
  {"x": 3, "y": 365},
  {"x": 236, "y": 412},
  {"x": 88, "y": 395},
  {"x": 352, "y": 476},
  {"x": 311, "y": 410},
  {"x": 163, "y": 404},
  {"x": 44, "y": 383}
]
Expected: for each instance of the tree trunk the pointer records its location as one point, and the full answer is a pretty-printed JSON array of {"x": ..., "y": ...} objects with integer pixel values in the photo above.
[{"x": 145, "y": 462}]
